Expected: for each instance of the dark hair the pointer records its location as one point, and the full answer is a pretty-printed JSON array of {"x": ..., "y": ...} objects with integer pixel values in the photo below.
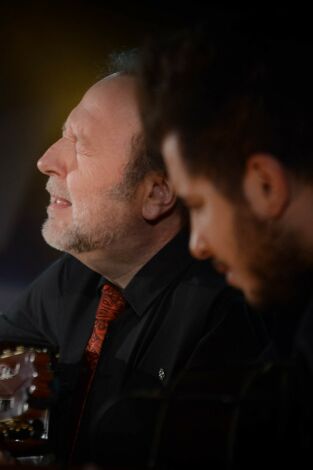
[
  {"x": 229, "y": 98},
  {"x": 144, "y": 159}
]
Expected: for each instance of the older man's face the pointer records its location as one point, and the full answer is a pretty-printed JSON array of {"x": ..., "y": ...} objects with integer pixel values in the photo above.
[{"x": 88, "y": 208}]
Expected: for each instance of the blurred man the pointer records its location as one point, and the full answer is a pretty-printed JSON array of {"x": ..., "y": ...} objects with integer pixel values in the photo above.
[
  {"x": 233, "y": 119},
  {"x": 115, "y": 214}
]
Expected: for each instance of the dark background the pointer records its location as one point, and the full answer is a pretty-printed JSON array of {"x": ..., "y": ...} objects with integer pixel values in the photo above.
[{"x": 51, "y": 52}]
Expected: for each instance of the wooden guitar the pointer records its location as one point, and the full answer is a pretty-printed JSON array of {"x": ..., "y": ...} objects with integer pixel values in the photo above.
[{"x": 25, "y": 398}]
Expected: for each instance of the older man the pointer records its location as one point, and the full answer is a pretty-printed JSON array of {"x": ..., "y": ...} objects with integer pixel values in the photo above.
[
  {"x": 233, "y": 119},
  {"x": 115, "y": 214}
]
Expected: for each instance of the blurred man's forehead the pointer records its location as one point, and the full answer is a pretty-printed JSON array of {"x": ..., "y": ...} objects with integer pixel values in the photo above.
[{"x": 172, "y": 156}]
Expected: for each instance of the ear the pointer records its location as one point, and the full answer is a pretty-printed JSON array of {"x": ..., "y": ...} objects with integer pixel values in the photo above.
[
  {"x": 266, "y": 186},
  {"x": 159, "y": 196}
]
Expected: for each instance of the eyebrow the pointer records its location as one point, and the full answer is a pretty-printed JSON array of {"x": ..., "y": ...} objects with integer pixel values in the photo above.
[{"x": 67, "y": 128}]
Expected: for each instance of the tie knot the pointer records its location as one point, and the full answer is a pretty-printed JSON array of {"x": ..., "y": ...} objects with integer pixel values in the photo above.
[{"x": 111, "y": 303}]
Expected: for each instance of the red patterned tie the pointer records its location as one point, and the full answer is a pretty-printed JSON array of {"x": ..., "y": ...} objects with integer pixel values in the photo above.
[{"x": 110, "y": 305}]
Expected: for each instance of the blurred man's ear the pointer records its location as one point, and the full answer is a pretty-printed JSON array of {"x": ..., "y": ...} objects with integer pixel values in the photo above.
[
  {"x": 159, "y": 196},
  {"x": 266, "y": 186}
]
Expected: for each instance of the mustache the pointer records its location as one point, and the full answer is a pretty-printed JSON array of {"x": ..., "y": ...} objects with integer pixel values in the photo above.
[{"x": 55, "y": 188}]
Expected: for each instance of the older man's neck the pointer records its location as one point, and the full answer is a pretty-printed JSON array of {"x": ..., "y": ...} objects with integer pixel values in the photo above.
[{"x": 120, "y": 266}]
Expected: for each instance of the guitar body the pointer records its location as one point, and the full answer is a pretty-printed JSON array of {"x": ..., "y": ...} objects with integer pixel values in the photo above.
[{"x": 26, "y": 396}]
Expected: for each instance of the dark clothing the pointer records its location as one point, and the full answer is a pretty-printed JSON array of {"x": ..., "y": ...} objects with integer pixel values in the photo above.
[
  {"x": 281, "y": 399},
  {"x": 174, "y": 304},
  {"x": 303, "y": 344},
  {"x": 248, "y": 417}
]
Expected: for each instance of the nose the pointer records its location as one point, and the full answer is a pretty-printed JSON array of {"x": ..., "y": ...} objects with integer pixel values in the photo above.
[
  {"x": 55, "y": 159},
  {"x": 198, "y": 246}
]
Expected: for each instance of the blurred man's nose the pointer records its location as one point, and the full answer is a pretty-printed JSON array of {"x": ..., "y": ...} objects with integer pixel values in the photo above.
[
  {"x": 53, "y": 161},
  {"x": 199, "y": 246}
]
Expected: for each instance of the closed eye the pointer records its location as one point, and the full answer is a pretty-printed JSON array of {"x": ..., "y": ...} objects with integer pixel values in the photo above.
[
  {"x": 69, "y": 136},
  {"x": 81, "y": 150}
]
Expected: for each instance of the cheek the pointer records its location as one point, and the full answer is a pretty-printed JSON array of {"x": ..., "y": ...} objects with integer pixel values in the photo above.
[
  {"x": 84, "y": 182},
  {"x": 213, "y": 229}
]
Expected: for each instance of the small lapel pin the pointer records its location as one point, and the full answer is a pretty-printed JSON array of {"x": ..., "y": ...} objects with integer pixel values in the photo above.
[{"x": 161, "y": 374}]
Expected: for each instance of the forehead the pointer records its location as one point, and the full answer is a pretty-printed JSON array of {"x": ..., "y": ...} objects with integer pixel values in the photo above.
[
  {"x": 115, "y": 91},
  {"x": 108, "y": 108}
]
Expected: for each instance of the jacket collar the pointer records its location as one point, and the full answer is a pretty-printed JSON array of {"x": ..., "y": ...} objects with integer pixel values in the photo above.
[{"x": 158, "y": 273}]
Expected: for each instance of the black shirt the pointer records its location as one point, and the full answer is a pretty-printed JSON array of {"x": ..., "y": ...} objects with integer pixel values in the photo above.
[{"x": 175, "y": 305}]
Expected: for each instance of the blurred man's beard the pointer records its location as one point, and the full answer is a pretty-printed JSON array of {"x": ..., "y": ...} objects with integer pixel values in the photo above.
[{"x": 277, "y": 260}]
